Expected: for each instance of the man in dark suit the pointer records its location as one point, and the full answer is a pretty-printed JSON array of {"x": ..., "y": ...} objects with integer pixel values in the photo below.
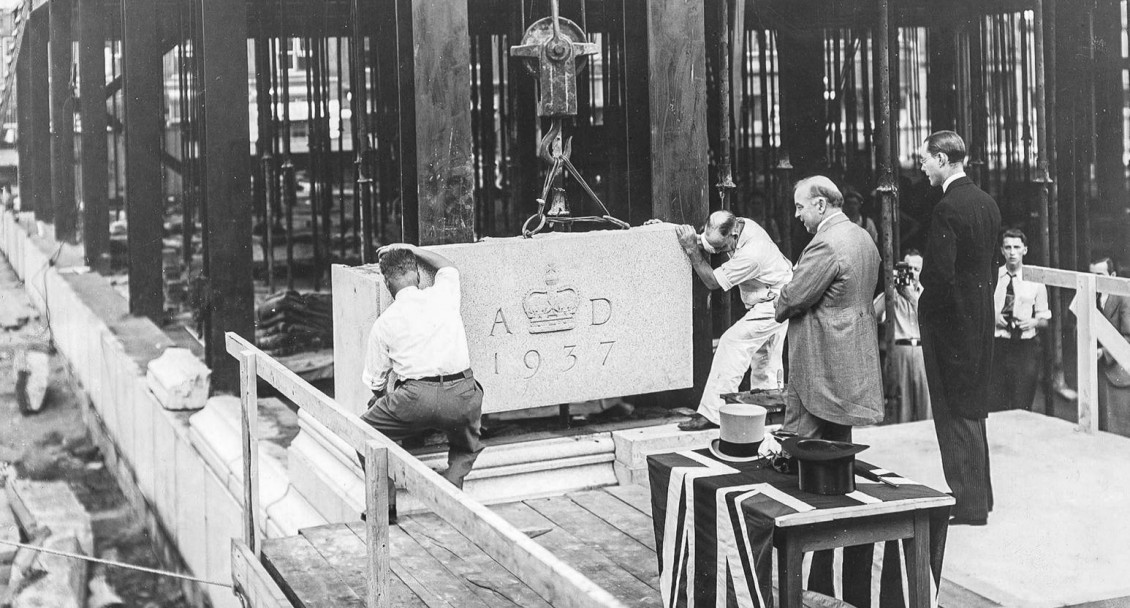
[
  {"x": 834, "y": 378},
  {"x": 956, "y": 317},
  {"x": 1114, "y": 380}
]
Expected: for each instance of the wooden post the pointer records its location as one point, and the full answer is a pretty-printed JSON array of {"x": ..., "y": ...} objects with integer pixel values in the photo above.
[
  {"x": 142, "y": 96},
  {"x": 376, "y": 525},
  {"x": 676, "y": 47},
  {"x": 227, "y": 209},
  {"x": 25, "y": 165},
  {"x": 435, "y": 122},
  {"x": 92, "y": 94},
  {"x": 1085, "y": 345},
  {"x": 62, "y": 123},
  {"x": 249, "y": 431}
]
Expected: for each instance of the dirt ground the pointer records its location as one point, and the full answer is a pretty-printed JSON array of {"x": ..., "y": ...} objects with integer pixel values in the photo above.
[{"x": 53, "y": 444}]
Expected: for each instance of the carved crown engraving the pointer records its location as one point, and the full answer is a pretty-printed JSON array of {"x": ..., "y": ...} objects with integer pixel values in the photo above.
[{"x": 553, "y": 308}]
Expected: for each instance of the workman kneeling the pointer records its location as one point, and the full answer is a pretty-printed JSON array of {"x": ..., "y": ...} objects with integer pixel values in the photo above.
[{"x": 417, "y": 363}]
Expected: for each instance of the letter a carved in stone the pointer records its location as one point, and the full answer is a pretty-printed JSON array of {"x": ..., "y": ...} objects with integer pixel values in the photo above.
[{"x": 500, "y": 319}]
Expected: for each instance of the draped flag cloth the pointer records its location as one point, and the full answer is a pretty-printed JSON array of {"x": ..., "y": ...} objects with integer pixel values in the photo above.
[{"x": 714, "y": 523}]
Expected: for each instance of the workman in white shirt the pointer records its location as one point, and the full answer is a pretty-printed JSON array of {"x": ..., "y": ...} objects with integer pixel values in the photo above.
[
  {"x": 756, "y": 342},
  {"x": 1022, "y": 308},
  {"x": 417, "y": 362},
  {"x": 907, "y": 364}
]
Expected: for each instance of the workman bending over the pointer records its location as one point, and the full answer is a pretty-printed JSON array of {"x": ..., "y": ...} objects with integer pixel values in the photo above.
[{"x": 417, "y": 363}]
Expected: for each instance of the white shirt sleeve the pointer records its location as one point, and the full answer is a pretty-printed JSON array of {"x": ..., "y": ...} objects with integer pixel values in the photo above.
[
  {"x": 1040, "y": 308},
  {"x": 744, "y": 265},
  {"x": 447, "y": 283},
  {"x": 377, "y": 362}
]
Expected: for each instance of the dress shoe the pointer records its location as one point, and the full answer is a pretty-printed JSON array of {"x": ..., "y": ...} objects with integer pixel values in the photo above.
[
  {"x": 958, "y": 520},
  {"x": 698, "y": 422}
]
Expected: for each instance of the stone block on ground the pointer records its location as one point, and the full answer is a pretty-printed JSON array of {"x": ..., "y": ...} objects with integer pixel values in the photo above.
[
  {"x": 32, "y": 368},
  {"x": 50, "y": 505},
  {"x": 178, "y": 379},
  {"x": 558, "y": 318},
  {"x": 10, "y": 532},
  {"x": 59, "y": 582}
]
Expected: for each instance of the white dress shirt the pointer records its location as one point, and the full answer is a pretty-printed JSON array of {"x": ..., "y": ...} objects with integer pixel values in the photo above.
[
  {"x": 419, "y": 335},
  {"x": 757, "y": 267},
  {"x": 951, "y": 179},
  {"x": 1031, "y": 301}
]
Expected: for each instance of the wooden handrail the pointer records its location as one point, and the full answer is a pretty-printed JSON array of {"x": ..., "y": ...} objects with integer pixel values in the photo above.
[
  {"x": 556, "y": 581},
  {"x": 1092, "y": 329}
]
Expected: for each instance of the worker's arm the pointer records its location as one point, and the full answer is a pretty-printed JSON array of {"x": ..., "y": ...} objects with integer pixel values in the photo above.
[
  {"x": 431, "y": 258},
  {"x": 689, "y": 241}
]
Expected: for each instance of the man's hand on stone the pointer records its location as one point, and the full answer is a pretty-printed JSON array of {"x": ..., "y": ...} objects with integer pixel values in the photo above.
[{"x": 688, "y": 238}]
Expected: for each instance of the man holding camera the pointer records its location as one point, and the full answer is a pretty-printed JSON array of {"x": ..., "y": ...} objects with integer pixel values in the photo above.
[
  {"x": 1022, "y": 308},
  {"x": 906, "y": 359}
]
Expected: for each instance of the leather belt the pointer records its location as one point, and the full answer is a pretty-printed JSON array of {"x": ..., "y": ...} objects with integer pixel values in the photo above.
[
  {"x": 908, "y": 342},
  {"x": 444, "y": 377}
]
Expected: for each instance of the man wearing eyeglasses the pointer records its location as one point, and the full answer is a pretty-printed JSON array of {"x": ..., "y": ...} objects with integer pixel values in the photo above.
[
  {"x": 956, "y": 318},
  {"x": 756, "y": 342}
]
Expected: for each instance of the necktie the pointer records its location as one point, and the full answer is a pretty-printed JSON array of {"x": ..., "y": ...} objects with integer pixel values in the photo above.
[
  {"x": 1099, "y": 301},
  {"x": 1009, "y": 305}
]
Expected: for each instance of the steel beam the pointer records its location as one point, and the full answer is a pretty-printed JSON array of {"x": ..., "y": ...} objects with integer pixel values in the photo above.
[
  {"x": 38, "y": 165},
  {"x": 92, "y": 96},
  {"x": 62, "y": 122},
  {"x": 142, "y": 97},
  {"x": 227, "y": 210}
]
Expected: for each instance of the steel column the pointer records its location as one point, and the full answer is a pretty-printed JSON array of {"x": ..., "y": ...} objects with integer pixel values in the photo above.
[
  {"x": 92, "y": 95},
  {"x": 142, "y": 96},
  {"x": 38, "y": 197},
  {"x": 62, "y": 122},
  {"x": 888, "y": 185},
  {"x": 227, "y": 209}
]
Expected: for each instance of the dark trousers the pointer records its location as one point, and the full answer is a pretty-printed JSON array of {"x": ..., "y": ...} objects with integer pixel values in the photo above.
[
  {"x": 1016, "y": 373},
  {"x": 962, "y": 443},
  {"x": 453, "y": 407},
  {"x": 857, "y": 559}
]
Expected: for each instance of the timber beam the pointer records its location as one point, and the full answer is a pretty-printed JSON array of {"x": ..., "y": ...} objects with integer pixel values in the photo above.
[
  {"x": 92, "y": 97},
  {"x": 62, "y": 122}
]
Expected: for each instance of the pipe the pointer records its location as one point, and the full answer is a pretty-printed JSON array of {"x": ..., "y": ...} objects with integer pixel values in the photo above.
[{"x": 888, "y": 188}]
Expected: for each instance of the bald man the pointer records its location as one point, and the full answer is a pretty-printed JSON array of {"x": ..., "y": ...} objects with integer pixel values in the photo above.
[
  {"x": 756, "y": 342},
  {"x": 834, "y": 378}
]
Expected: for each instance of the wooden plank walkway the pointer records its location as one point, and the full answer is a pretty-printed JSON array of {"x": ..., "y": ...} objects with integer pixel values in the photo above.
[{"x": 606, "y": 534}]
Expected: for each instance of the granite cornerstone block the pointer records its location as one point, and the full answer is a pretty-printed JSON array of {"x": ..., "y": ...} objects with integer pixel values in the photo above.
[{"x": 558, "y": 318}]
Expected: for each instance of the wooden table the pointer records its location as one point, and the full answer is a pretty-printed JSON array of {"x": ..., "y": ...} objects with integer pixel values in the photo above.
[
  {"x": 708, "y": 494},
  {"x": 908, "y": 520}
]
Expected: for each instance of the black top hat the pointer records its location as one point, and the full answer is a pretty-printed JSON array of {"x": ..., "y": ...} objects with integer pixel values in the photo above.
[
  {"x": 826, "y": 467},
  {"x": 818, "y": 450}
]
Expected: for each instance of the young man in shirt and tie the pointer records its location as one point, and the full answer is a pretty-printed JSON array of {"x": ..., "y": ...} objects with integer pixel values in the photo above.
[
  {"x": 1022, "y": 308},
  {"x": 417, "y": 363}
]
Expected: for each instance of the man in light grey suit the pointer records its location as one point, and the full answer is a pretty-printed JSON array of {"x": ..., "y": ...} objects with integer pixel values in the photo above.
[{"x": 834, "y": 378}]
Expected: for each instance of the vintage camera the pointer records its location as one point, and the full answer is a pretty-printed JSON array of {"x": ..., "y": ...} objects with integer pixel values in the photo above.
[{"x": 904, "y": 274}]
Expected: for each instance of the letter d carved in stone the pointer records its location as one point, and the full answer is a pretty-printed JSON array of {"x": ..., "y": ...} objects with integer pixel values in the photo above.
[{"x": 601, "y": 310}]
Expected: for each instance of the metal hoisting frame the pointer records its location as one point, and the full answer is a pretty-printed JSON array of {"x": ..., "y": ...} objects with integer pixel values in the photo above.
[{"x": 556, "y": 50}]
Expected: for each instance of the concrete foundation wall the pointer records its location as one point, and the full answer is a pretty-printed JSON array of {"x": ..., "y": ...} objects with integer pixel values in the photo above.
[{"x": 183, "y": 467}]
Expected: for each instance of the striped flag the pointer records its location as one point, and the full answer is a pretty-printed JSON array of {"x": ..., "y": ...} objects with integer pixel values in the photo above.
[{"x": 714, "y": 523}]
